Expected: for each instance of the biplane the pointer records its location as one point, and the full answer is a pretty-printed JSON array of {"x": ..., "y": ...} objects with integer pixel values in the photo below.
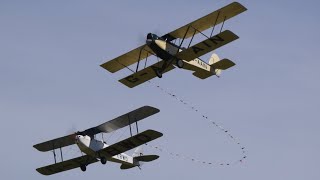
[
  {"x": 174, "y": 55},
  {"x": 98, "y": 150}
]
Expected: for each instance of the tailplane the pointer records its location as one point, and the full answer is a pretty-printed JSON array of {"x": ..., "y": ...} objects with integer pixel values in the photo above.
[
  {"x": 126, "y": 166},
  {"x": 146, "y": 158},
  {"x": 138, "y": 159},
  {"x": 138, "y": 152},
  {"x": 217, "y": 66}
]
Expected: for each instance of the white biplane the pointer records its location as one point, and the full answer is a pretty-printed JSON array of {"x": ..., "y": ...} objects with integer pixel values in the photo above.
[
  {"x": 97, "y": 150},
  {"x": 174, "y": 54}
]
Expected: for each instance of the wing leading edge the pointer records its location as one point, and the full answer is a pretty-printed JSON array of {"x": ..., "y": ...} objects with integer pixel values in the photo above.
[{"x": 207, "y": 21}]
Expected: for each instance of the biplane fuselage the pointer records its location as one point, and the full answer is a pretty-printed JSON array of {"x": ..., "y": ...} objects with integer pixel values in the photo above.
[
  {"x": 91, "y": 146},
  {"x": 95, "y": 150},
  {"x": 167, "y": 51}
]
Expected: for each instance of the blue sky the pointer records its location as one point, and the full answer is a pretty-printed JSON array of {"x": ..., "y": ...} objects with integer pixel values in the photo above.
[{"x": 52, "y": 84}]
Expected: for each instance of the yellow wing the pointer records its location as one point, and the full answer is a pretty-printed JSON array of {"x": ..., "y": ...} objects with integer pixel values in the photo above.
[
  {"x": 207, "y": 45},
  {"x": 208, "y": 21},
  {"x": 144, "y": 75},
  {"x": 127, "y": 59}
]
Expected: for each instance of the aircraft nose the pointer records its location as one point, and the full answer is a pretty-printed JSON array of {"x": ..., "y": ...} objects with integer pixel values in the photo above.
[
  {"x": 77, "y": 138},
  {"x": 149, "y": 38}
]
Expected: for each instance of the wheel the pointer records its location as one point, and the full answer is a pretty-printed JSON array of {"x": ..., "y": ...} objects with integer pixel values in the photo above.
[
  {"x": 83, "y": 168},
  {"x": 179, "y": 63},
  {"x": 103, "y": 160},
  {"x": 158, "y": 73}
]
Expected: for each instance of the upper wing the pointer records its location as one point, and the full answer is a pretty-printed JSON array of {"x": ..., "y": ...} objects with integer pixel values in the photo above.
[
  {"x": 117, "y": 123},
  {"x": 128, "y": 59},
  {"x": 207, "y": 45},
  {"x": 144, "y": 75},
  {"x": 66, "y": 165},
  {"x": 207, "y": 21},
  {"x": 130, "y": 143},
  {"x": 56, "y": 143},
  {"x": 122, "y": 121}
]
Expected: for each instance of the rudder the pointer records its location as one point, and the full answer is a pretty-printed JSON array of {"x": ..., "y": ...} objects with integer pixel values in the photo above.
[{"x": 214, "y": 59}]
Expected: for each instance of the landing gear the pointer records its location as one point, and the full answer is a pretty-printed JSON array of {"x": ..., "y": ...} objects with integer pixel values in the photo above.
[
  {"x": 158, "y": 73},
  {"x": 103, "y": 160},
  {"x": 179, "y": 63},
  {"x": 83, "y": 168}
]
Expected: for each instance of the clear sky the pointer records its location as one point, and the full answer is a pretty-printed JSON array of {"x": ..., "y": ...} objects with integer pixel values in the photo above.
[{"x": 51, "y": 84}]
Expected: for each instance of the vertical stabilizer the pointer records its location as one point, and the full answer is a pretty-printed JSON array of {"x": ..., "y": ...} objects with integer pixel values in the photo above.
[
  {"x": 138, "y": 152},
  {"x": 214, "y": 59}
]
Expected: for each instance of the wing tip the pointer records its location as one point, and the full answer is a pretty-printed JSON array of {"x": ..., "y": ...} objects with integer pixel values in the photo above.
[
  {"x": 154, "y": 132},
  {"x": 37, "y": 147},
  {"x": 106, "y": 66},
  {"x": 154, "y": 109},
  {"x": 40, "y": 170},
  {"x": 236, "y": 3}
]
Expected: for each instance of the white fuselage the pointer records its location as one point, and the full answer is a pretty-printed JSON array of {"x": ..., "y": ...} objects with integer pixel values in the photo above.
[
  {"x": 166, "y": 51},
  {"x": 91, "y": 146}
]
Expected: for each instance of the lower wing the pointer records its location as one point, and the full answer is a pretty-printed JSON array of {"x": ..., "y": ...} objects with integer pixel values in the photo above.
[
  {"x": 129, "y": 143},
  {"x": 66, "y": 165},
  {"x": 144, "y": 75},
  {"x": 207, "y": 45}
]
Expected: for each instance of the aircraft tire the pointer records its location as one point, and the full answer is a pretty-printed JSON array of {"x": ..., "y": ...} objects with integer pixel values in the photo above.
[
  {"x": 179, "y": 63},
  {"x": 158, "y": 73},
  {"x": 103, "y": 160},
  {"x": 83, "y": 168}
]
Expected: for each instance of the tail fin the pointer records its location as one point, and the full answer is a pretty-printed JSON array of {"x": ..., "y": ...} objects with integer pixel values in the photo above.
[
  {"x": 138, "y": 152},
  {"x": 214, "y": 59}
]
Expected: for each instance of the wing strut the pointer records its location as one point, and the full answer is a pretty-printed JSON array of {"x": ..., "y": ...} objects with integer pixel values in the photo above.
[
  {"x": 139, "y": 59},
  {"x": 224, "y": 20},
  {"x": 196, "y": 30},
  {"x": 61, "y": 154},
  {"x": 137, "y": 127},
  {"x": 130, "y": 125},
  {"x": 136, "y": 122},
  {"x": 54, "y": 156},
  {"x": 183, "y": 39},
  {"x": 215, "y": 23},
  {"x": 145, "y": 63}
]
